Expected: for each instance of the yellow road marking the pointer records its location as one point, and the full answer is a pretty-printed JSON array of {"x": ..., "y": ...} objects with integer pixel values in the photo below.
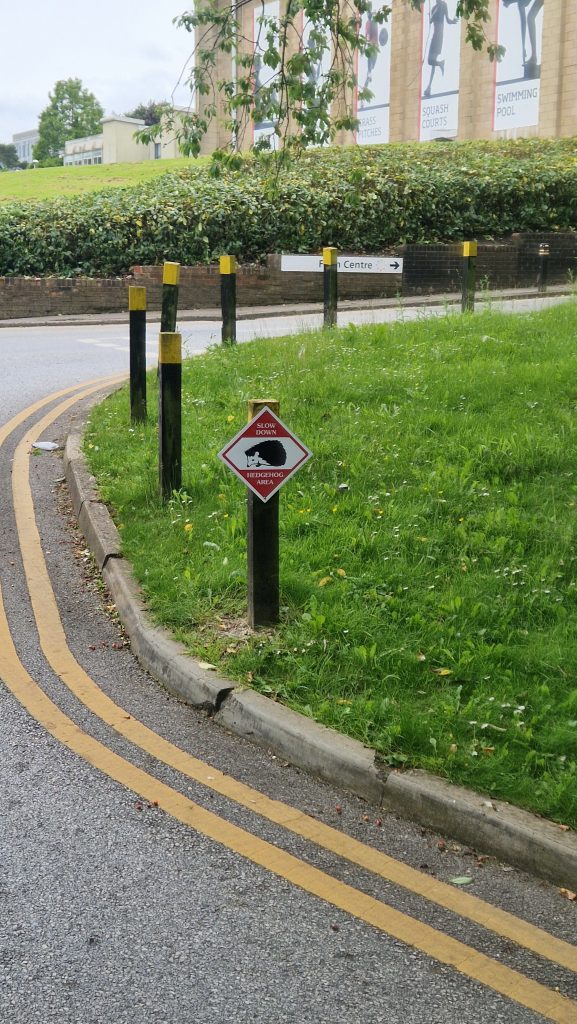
[
  {"x": 55, "y": 647},
  {"x": 422, "y": 937},
  {"x": 89, "y": 387}
]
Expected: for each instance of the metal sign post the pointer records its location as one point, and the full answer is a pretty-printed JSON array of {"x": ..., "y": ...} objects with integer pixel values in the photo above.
[{"x": 264, "y": 455}]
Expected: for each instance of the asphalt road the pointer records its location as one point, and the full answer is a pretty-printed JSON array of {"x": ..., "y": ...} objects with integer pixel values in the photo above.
[{"x": 122, "y": 908}]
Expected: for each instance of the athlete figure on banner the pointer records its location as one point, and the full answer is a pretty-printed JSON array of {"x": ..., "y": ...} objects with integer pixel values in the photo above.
[
  {"x": 528, "y": 11},
  {"x": 378, "y": 37},
  {"x": 438, "y": 16}
]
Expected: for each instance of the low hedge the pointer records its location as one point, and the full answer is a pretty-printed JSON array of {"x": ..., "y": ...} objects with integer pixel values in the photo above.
[{"x": 361, "y": 199}]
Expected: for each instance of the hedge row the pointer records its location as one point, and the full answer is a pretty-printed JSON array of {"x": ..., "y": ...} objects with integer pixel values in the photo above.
[{"x": 365, "y": 199}]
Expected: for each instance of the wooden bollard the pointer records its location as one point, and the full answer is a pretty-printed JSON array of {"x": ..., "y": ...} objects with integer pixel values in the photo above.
[
  {"x": 137, "y": 333},
  {"x": 469, "y": 276},
  {"x": 170, "y": 282},
  {"x": 170, "y": 412},
  {"x": 228, "y": 299},
  {"x": 263, "y": 546},
  {"x": 330, "y": 286}
]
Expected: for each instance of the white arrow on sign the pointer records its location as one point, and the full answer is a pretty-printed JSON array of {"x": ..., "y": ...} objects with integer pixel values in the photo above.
[{"x": 345, "y": 264}]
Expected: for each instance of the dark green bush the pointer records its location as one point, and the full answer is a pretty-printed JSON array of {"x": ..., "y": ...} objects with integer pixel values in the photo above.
[{"x": 364, "y": 199}]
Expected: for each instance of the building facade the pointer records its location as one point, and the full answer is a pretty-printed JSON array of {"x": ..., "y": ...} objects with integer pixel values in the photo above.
[
  {"x": 24, "y": 143},
  {"x": 117, "y": 145},
  {"x": 428, "y": 82}
]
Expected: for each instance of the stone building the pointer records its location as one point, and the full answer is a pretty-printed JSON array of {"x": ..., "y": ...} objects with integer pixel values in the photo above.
[{"x": 428, "y": 83}]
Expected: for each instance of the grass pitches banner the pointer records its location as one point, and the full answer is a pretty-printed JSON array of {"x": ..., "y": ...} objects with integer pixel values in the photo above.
[
  {"x": 320, "y": 70},
  {"x": 374, "y": 73},
  {"x": 517, "y": 76},
  {"x": 440, "y": 68},
  {"x": 262, "y": 74}
]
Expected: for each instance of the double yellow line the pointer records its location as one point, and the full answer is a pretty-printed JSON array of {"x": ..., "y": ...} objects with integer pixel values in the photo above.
[{"x": 443, "y": 948}]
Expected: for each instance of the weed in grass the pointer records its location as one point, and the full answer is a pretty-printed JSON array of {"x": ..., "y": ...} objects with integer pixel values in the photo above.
[{"x": 428, "y": 573}]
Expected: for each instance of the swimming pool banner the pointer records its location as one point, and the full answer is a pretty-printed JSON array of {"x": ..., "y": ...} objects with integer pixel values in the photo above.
[
  {"x": 374, "y": 73},
  {"x": 263, "y": 74},
  {"x": 440, "y": 70},
  {"x": 518, "y": 74}
]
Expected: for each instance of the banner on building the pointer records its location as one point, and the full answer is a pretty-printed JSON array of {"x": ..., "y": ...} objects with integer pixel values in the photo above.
[
  {"x": 263, "y": 75},
  {"x": 320, "y": 70},
  {"x": 517, "y": 78},
  {"x": 374, "y": 73},
  {"x": 440, "y": 69}
]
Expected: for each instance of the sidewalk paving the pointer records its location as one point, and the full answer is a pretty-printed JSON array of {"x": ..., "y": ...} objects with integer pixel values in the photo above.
[{"x": 450, "y": 299}]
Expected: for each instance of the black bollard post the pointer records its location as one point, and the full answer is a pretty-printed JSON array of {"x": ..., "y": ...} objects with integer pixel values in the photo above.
[
  {"x": 543, "y": 268},
  {"x": 228, "y": 299},
  {"x": 262, "y": 547},
  {"x": 469, "y": 275},
  {"x": 170, "y": 282},
  {"x": 330, "y": 285},
  {"x": 137, "y": 318},
  {"x": 170, "y": 413}
]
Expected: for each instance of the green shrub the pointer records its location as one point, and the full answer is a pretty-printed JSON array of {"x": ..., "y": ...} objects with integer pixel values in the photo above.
[{"x": 361, "y": 199}]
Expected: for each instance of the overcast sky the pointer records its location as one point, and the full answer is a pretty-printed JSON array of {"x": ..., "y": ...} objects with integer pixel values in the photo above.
[{"x": 125, "y": 53}]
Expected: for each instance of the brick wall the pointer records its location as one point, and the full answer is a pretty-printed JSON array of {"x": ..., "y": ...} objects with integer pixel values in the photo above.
[{"x": 428, "y": 269}]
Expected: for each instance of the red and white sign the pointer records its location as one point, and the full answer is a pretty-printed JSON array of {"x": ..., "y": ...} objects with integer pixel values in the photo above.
[{"x": 264, "y": 454}]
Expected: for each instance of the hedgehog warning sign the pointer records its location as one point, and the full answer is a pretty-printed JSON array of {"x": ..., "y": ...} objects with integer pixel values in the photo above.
[{"x": 264, "y": 454}]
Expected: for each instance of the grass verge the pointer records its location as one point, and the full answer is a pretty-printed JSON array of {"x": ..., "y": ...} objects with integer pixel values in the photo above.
[{"x": 428, "y": 556}]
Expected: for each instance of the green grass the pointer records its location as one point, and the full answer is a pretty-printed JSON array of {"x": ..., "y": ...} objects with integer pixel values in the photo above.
[
  {"x": 428, "y": 555},
  {"x": 49, "y": 182}
]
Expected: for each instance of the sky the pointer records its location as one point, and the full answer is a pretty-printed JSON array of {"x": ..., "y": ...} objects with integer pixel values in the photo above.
[{"x": 125, "y": 53}]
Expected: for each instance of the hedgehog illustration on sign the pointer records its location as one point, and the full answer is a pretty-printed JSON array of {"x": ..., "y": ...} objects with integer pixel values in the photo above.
[{"x": 266, "y": 453}]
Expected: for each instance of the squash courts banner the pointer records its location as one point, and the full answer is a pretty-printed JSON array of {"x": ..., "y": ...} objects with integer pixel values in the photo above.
[{"x": 440, "y": 68}]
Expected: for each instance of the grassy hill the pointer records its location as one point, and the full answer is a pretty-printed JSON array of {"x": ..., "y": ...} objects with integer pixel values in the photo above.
[{"x": 49, "y": 182}]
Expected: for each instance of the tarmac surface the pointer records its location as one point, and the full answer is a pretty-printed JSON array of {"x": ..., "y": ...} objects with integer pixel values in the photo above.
[{"x": 127, "y": 894}]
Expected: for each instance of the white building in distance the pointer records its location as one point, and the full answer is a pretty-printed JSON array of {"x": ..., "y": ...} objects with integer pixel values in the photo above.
[
  {"x": 117, "y": 145},
  {"x": 24, "y": 143}
]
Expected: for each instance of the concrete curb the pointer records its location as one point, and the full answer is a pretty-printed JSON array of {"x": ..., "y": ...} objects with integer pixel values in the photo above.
[
  {"x": 450, "y": 299},
  {"x": 529, "y": 843}
]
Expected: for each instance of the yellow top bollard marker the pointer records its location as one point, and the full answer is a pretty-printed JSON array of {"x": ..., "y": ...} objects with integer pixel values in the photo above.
[
  {"x": 330, "y": 256},
  {"x": 171, "y": 273},
  {"x": 170, "y": 348},
  {"x": 136, "y": 298},
  {"x": 228, "y": 265}
]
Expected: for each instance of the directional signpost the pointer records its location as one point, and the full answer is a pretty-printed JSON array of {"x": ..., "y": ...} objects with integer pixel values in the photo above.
[
  {"x": 345, "y": 264},
  {"x": 264, "y": 455}
]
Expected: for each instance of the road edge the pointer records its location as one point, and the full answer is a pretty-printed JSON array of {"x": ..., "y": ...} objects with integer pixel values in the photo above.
[{"x": 518, "y": 837}]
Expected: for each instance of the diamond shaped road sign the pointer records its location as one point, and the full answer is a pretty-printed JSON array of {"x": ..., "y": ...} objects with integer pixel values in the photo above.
[{"x": 264, "y": 454}]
